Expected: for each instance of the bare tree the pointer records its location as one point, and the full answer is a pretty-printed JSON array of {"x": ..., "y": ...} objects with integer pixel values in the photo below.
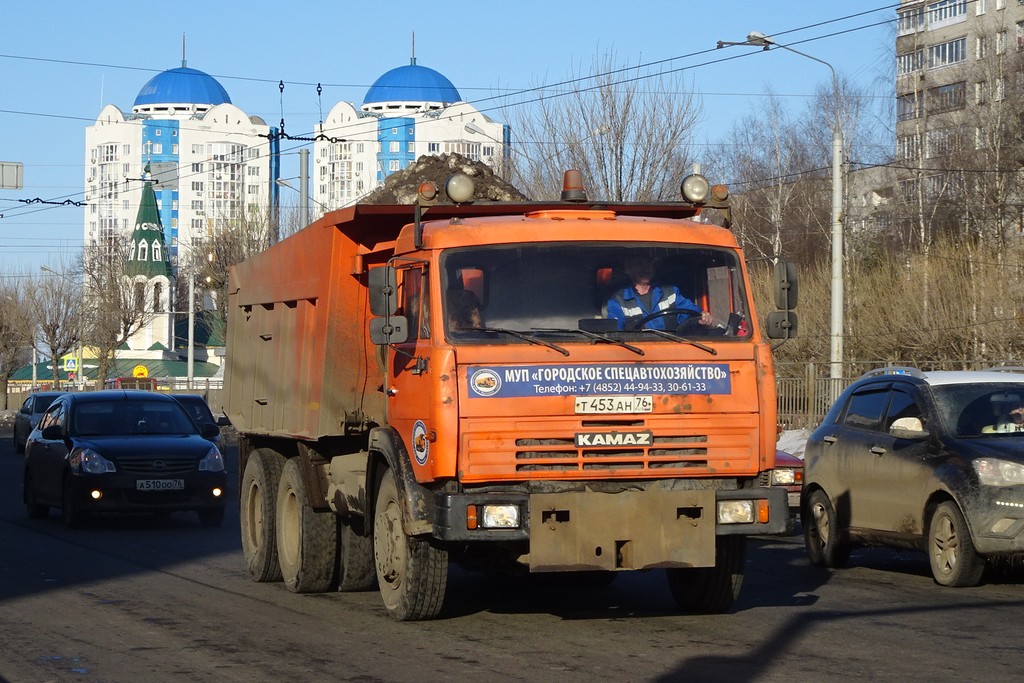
[
  {"x": 629, "y": 132},
  {"x": 56, "y": 311},
  {"x": 15, "y": 333}
]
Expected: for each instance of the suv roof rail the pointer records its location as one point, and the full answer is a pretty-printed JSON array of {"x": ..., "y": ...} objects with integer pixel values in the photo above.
[
  {"x": 1005, "y": 368},
  {"x": 893, "y": 370}
]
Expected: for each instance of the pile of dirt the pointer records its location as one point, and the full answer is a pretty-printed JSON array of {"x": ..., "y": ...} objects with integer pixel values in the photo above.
[{"x": 402, "y": 186}]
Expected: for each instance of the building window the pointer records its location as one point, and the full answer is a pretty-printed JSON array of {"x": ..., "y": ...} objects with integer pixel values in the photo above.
[
  {"x": 126, "y": 150},
  {"x": 174, "y": 149},
  {"x": 393, "y": 146},
  {"x": 158, "y": 297},
  {"x": 1000, "y": 4},
  {"x": 433, "y": 147},
  {"x": 488, "y": 151},
  {"x": 907, "y": 146},
  {"x": 910, "y": 62},
  {"x": 394, "y": 131},
  {"x": 947, "y": 97},
  {"x": 198, "y": 149},
  {"x": 410, "y": 147},
  {"x": 1020, "y": 35},
  {"x": 981, "y": 47},
  {"x": 1001, "y": 42},
  {"x": 948, "y": 53},
  {"x": 939, "y": 142},
  {"x": 979, "y": 7},
  {"x": 980, "y": 140},
  {"x": 158, "y": 148},
  {"x": 157, "y": 132},
  {"x": 143, "y": 250},
  {"x": 980, "y": 92},
  {"x": 946, "y": 12},
  {"x": 140, "y": 296},
  {"x": 1000, "y": 93},
  {"x": 393, "y": 165},
  {"x": 910, "y": 20},
  {"x": 156, "y": 251}
]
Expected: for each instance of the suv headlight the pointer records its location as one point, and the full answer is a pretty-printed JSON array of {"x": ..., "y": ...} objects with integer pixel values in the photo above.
[
  {"x": 213, "y": 461},
  {"x": 994, "y": 472},
  {"x": 88, "y": 460}
]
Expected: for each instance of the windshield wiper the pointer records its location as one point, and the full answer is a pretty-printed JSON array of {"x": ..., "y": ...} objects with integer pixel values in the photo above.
[
  {"x": 595, "y": 336},
  {"x": 520, "y": 335},
  {"x": 676, "y": 337}
]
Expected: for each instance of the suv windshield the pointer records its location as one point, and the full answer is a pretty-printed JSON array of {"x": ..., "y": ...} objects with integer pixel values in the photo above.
[
  {"x": 981, "y": 409},
  {"x": 521, "y": 293}
]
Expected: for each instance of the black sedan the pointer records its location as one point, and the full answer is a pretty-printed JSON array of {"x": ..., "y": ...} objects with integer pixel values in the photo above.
[
  {"x": 926, "y": 460},
  {"x": 122, "y": 451}
]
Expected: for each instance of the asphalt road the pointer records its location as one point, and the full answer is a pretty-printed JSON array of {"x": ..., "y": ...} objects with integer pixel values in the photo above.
[{"x": 141, "y": 598}]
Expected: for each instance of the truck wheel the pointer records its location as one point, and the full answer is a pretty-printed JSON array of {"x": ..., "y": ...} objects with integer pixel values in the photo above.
[
  {"x": 823, "y": 538},
  {"x": 257, "y": 499},
  {"x": 710, "y": 590},
  {"x": 951, "y": 552},
  {"x": 356, "y": 571},
  {"x": 307, "y": 540},
  {"x": 412, "y": 574}
]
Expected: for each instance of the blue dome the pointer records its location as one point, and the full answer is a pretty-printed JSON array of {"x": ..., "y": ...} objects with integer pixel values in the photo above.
[
  {"x": 412, "y": 83},
  {"x": 182, "y": 85}
]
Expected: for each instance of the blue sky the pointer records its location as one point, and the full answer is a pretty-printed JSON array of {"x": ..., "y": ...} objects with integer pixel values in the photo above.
[{"x": 62, "y": 61}]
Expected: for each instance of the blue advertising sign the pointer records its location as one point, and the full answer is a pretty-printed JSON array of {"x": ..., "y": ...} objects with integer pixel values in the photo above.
[{"x": 595, "y": 380}]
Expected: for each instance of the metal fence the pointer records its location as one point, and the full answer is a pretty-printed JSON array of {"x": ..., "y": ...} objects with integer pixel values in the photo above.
[{"x": 806, "y": 391}]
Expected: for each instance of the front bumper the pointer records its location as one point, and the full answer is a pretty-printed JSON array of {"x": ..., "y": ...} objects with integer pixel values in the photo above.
[
  {"x": 630, "y": 529},
  {"x": 118, "y": 492}
]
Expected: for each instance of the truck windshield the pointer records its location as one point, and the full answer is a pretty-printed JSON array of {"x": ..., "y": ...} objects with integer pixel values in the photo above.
[{"x": 576, "y": 292}]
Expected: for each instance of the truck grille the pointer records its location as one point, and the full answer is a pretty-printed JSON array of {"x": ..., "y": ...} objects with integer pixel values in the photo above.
[{"x": 666, "y": 452}]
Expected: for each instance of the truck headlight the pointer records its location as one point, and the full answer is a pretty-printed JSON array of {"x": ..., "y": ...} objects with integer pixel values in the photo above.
[
  {"x": 784, "y": 476},
  {"x": 736, "y": 512},
  {"x": 499, "y": 516}
]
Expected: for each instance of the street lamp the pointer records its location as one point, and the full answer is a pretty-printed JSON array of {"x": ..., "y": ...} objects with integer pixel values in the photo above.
[{"x": 758, "y": 39}]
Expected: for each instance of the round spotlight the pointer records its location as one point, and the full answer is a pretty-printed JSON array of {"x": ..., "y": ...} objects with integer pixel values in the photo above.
[
  {"x": 695, "y": 188},
  {"x": 427, "y": 191},
  {"x": 459, "y": 188},
  {"x": 720, "y": 192}
]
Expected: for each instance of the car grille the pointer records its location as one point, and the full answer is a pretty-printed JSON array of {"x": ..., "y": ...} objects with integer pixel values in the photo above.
[{"x": 147, "y": 464}]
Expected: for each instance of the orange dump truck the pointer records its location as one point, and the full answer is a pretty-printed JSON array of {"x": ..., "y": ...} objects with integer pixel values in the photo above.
[{"x": 420, "y": 385}]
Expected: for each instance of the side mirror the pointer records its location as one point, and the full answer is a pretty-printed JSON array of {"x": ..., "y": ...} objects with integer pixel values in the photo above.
[
  {"x": 25, "y": 411},
  {"x": 392, "y": 330},
  {"x": 908, "y": 428},
  {"x": 785, "y": 286},
  {"x": 383, "y": 287},
  {"x": 53, "y": 433},
  {"x": 781, "y": 325},
  {"x": 223, "y": 421},
  {"x": 208, "y": 430}
]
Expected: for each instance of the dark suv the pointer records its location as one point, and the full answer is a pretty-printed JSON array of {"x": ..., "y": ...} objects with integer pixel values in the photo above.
[{"x": 926, "y": 460}]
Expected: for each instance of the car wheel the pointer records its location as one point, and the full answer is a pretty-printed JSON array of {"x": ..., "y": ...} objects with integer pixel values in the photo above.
[
  {"x": 211, "y": 517},
  {"x": 411, "y": 573},
  {"x": 951, "y": 551},
  {"x": 35, "y": 510},
  {"x": 357, "y": 572},
  {"x": 711, "y": 590},
  {"x": 307, "y": 540},
  {"x": 72, "y": 513},
  {"x": 823, "y": 538},
  {"x": 257, "y": 501}
]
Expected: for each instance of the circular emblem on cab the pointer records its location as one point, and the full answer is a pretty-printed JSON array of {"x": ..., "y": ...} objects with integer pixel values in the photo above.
[
  {"x": 420, "y": 443},
  {"x": 485, "y": 382}
]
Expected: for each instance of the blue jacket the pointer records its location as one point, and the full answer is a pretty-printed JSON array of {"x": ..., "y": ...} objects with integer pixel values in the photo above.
[{"x": 626, "y": 307}]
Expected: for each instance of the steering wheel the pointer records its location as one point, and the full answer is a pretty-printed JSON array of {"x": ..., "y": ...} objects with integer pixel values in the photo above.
[{"x": 695, "y": 315}]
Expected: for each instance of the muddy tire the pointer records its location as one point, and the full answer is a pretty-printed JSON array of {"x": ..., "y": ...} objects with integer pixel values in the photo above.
[
  {"x": 356, "y": 570},
  {"x": 35, "y": 510},
  {"x": 824, "y": 540},
  {"x": 257, "y": 502},
  {"x": 411, "y": 574},
  {"x": 711, "y": 590},
  {"x": 307, "y": 540},
  {"x": 951, "y": 552}
]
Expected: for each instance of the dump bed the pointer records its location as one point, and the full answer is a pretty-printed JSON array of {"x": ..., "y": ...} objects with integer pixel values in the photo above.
[{"x": 299, "y": 362}]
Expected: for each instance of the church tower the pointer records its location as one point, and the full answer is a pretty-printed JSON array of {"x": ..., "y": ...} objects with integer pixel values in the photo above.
[{"x": 149, "y": 270}]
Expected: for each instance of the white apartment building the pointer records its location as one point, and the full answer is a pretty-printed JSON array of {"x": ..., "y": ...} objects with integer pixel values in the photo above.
[
  {"x": 212, "y": 163},
  {"x": 408, "y": 112}
]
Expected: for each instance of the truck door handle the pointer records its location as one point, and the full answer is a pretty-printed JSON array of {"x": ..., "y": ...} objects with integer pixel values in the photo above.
[
  {"x": 829, "y": 439},
  {"x": 878, "y": 450}
]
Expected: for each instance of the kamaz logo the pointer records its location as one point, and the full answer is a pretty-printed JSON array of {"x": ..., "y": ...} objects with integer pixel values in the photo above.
[{"x": 614, "y": 439}]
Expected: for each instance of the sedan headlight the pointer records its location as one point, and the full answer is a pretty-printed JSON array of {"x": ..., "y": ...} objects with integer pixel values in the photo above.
[
  {"x": 994, "y": 472},
  {"x": 88, "y": 460},
  {"x": 212, "y": 462}
]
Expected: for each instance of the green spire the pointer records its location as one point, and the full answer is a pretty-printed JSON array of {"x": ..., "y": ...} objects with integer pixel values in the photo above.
[{"x": 148, "y": 253}]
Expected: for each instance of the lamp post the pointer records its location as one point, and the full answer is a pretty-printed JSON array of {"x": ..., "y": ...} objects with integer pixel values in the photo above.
[{"x": 757, "y": 39}]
